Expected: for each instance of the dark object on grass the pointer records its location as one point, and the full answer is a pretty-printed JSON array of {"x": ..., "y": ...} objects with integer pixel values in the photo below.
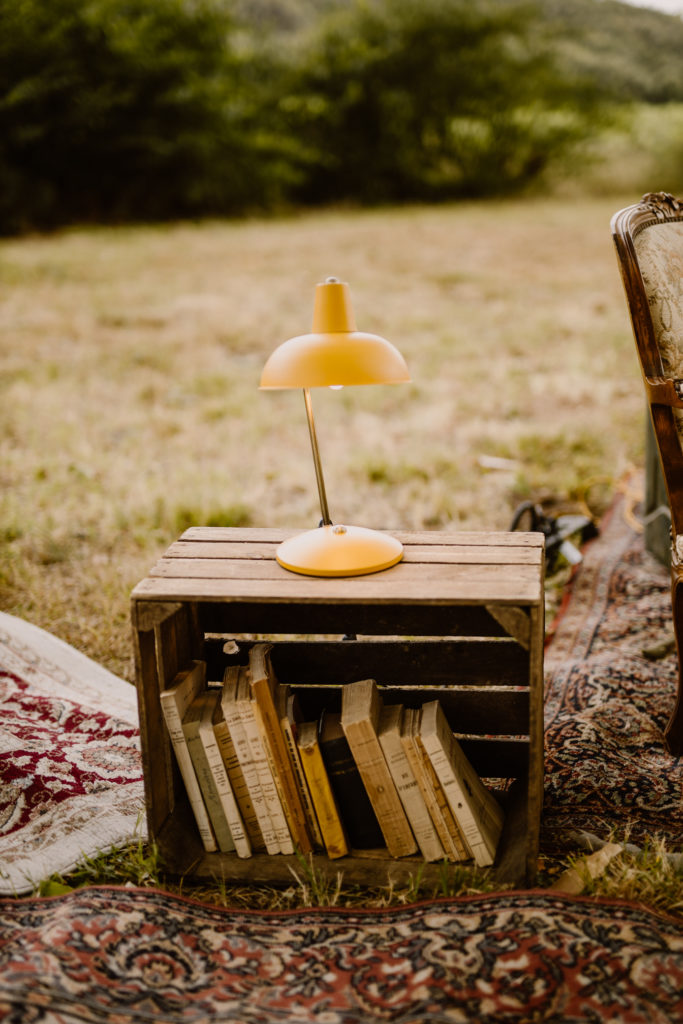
[{"x": 562, "y": 533}]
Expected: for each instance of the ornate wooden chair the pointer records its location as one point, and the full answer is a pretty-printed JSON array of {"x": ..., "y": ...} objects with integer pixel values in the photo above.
[{"x": 649, "y": 241}]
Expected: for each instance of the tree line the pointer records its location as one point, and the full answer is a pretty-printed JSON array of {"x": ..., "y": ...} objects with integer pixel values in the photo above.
[{"x": 114, "y": 110}]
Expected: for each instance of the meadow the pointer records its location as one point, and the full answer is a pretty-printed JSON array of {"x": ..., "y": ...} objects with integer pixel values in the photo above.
[{"x": 130, "y": 361}]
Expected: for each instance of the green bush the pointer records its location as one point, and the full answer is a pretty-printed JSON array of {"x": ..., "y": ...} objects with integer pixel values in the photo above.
[
  {"x": 112, "y": 110},
  {"x": 430, "y": 99}
]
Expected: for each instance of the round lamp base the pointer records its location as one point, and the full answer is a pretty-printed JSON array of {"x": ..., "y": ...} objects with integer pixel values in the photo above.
[{"x": 339, "y": 551}]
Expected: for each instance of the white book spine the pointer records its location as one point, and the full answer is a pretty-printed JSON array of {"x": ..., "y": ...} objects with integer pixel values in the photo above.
[
  {"x": 223, "y": 787},
  {"x": 411, "y": 797},
  {"x": 238, "y": 783},
  {"x": 251, "y": 775},
  {"x": 265, "y": 776},
  {"x": 414, "y": 755},
  {"x": 441, "y": 746},
  {"x": 173, "y": 718},
  {"x": 451, "y": 787}
]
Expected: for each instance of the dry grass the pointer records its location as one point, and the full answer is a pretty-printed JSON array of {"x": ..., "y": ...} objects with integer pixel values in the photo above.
[
  {"x": 130, "y": 359},
  {"x": 652, "y": 875}
]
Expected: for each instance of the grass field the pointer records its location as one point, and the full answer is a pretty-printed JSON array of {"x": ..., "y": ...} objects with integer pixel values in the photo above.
[{"x": 130, "y": 361}]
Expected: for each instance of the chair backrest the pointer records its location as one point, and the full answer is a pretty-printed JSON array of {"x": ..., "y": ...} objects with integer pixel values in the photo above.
[{"x": 648, "y": 237}]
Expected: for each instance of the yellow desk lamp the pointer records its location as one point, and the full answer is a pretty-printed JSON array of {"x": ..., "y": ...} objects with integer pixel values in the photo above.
[{"x": 334, "y": 355}]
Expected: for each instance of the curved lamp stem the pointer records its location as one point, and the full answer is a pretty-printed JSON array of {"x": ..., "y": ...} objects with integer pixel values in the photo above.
[{"x": 316, "y": 460}]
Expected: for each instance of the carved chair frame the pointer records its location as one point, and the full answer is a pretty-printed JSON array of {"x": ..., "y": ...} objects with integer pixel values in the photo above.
[{"x": 664, "y": 394}]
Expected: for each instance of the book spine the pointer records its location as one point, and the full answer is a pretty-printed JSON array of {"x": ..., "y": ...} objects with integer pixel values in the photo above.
[
  {"x": 485, "y": 808},
  {"x": 429, "y": 796},
  {"x": 208, "y": 787},
  {"x": 250, "y": 771},
  {"x": 309, "y": 809},
  {"x": 453, "y": 791},
  {"x": 222, "y": 782},
  {"x": 238, "y": 784},
  {"x": 174, "y": 725},
  {"x": 265, "y": 776},
  {"x": 411, "y": 797},
  {"x": 357, "y": 813},
  {"x": 282, "y": 770},
  {"x": 443, "y": 750},
  {"x": 323, "y": 800},
  {"x": 380, "y": 787},
  {"x": 463, "y": 850}
]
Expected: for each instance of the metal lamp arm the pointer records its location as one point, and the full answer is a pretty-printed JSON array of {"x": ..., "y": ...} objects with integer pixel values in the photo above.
[{"x": 326, "y": 521}]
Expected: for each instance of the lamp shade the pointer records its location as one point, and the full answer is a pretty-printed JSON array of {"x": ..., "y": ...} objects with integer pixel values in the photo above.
[{"x": 335, "y": 354}]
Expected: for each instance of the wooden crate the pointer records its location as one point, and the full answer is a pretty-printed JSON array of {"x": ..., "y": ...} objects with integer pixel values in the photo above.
[{"x": 460, "y": 618}]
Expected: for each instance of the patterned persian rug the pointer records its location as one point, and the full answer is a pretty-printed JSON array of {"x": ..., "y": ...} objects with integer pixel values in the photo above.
[
  {"x": 607, "y": 702},
  {"x": 122, "y": 956},
  {"x": 70, "y": 769}
]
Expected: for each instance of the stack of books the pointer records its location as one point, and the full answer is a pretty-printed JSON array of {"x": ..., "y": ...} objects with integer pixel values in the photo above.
[{"x": 262, "y": 779}]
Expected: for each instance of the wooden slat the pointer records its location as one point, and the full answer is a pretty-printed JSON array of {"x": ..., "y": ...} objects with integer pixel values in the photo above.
[
  {"x": 288, "y": 617},
  {"x": 422, "y": 553},
  {"x": 499, "y": 759},
  {"x": 470, "y": 662},
  {"x": 498, "y": 538},
  {"x": 535, "y": 788},
  {"x": 470, "y": 588},
  {"x": 477, "y": 711},
  {"x": 241, "y": 579},
  {"x": 154, "y": 742},
  {"x": 422, "y": 574}
]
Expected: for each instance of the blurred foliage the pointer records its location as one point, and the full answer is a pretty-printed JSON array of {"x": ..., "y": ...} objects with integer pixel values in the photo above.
[
  {"x": 433, "y": 100},
  {"x": 110, "y": 110},
  {"x": 114, "y": 111},
  {"x": 632, "y": 53}
]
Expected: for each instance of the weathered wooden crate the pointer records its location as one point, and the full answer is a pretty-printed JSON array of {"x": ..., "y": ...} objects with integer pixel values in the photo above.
[{"x": 461, "y": 618}]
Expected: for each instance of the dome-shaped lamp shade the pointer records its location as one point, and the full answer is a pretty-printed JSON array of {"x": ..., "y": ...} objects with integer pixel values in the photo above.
[{"x": 335, "y": 353}]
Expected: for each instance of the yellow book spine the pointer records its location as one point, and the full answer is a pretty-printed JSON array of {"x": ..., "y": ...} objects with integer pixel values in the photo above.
[{"x": 324, "y": 803}]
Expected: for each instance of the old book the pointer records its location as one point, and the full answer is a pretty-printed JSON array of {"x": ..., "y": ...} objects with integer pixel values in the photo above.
[
  {"x": 389, "y": 734},
  {"x": 456, "y": 833},
  {"x": 233, "y": 765},
  {"x": 213, "y": 781},
  {"x": 242, "y": 747},
  {"x": 174, "y": 703},
  {"x": 263, "y": 685},
  {"x": 475, "y": 808},
  {"x": 279, "y": 831},
  {"x": 291, "y": 719},
  {"x": 238, "y": 712},
  {"x": 434, "y": 798},
  {"x": 360, "y": 821},
  {"x": 358, "y": 815},
  {"x": 361, "y": 707},
  {"x": 322, "y": 796}
]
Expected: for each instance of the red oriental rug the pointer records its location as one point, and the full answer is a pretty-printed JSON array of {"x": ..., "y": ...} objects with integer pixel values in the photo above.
[
  {"x": 607, "y": 702},
  {"x": 121, "y": 956},
  {"x": 70, "y": 770}
]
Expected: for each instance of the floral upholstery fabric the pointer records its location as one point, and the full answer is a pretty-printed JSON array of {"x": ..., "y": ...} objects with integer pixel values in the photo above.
[
  {"x": 659, "y": 248},
  {"x": 660, "y": 253}
]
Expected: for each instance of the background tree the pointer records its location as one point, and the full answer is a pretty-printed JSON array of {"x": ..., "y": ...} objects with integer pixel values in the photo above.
[
  {"x": 432, "y": 99},
  {"x": 111, "y": 110}
]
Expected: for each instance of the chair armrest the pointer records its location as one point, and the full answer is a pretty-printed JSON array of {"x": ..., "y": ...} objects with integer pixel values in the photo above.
[{"x": 664, "y": 391}]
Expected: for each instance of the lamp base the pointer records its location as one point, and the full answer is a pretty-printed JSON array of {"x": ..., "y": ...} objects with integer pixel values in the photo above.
[{"x": 339, "y": 551}]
